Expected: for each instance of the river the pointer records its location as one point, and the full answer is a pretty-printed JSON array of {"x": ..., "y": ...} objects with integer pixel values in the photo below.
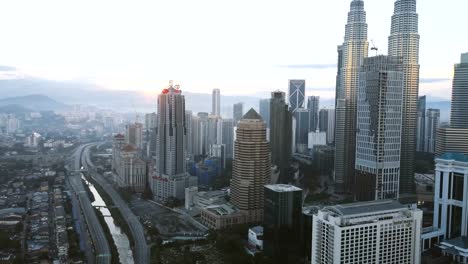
[{"x": 120, "y": 238}]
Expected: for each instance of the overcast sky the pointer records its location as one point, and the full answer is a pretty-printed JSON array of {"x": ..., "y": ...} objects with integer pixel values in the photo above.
[{"x": 241, "y": 46}]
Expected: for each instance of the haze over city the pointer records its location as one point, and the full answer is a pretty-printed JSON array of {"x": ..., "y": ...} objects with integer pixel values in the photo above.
[
  {"x": 243, "y": 47},
  {"x": 234, "y": 132}
]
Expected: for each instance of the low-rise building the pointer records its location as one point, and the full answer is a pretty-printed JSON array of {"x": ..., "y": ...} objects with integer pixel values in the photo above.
[{"x": 221, "y": 216}]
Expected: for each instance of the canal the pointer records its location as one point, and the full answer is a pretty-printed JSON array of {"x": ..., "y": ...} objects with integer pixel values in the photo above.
[{"x": 120, "y": 238}]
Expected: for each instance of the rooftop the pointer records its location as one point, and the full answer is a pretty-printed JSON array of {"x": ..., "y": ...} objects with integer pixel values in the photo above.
[
  {"x": 252, "y": 114},
  {"x": 282, "y": 188},
  {"x": 223, "y": 209},
  {"x": 366, "y": 207},
  {"x": 455, "y": 156}
]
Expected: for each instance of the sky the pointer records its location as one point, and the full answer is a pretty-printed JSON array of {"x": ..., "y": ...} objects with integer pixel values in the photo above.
[{"x": 242, "y": 47}]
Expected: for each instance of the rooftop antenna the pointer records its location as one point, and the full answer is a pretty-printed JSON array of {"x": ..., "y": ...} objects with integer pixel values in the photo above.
[{"x": 374, "y": 48}]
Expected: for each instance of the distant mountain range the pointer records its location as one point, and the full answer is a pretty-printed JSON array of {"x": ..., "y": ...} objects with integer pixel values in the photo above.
[
  {"x": 40, "y": 94},
  {"x": 34, "y": 102}
]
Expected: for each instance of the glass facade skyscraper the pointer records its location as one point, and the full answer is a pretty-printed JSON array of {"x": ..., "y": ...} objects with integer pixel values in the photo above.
[
  {"x": 352, "y": 53},
  {"x": 379, "y": 129},
  {"x": 404, "y": 42},
  {"x": 296, "y": 94}
]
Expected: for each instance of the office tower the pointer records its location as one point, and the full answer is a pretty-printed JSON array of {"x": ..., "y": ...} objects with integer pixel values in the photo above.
[
  {"x": 203, "y": 132},
  {"x": 296, "y": 94},
  {"x": 353, "y": 50},
  {"x": 421, "y": 124},
  {"x": 430, "y": 131},
  {"x": 313, "y": 107},
  {"x": 404, "y": 42},
  {"x": 189, "y": 132},
  {"x": 228, "y": 136},
  {"x": 282, "y": 223},
  {"x": 214, "y": 130},
  {"x": 251, "y": 166},
  {"x": 169, "y": 177},
  {"x": 382, "y": 231},
  {"x": 455, "y": 137},
  {"x": 280, "y": 130},
  {"x": 264, "y": 106},
  {"x": 238, "y": 111},
  {"x": 380, "y": 98},
  {"x": 327, "y": 123},
  {"x": 150, "y": 121},
  {"x": 302, "y": 129},
  {"x": 216, "y": 102},
  {"x": 451, "y": 140},
  {"x": 459, "y": 113},
  {"x": 134, "y": 135},
  {"x": 196, "y": 136}
]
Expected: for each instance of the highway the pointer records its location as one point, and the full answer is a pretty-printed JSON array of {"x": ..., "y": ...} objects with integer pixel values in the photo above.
[
  {"x": 101, "y": 245},
  {"x": 142, "y": 251}
]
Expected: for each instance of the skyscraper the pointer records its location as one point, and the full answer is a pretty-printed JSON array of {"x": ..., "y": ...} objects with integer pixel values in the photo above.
[
  {"x": 313, "y": 107},
  {"x": 378, "y": 137},
  {"x": 421, "y": 123},
  {"x": 189, "y": 132},
  {"x": 282, "y": 223},
  {"x": 296, "y": 94},
  {"x": 327, "y": 123},
  {"x": 432, "y": 124},
  {"x": 238, "y": 111},
  {"x": 228, "y": 136},
  {"x": 367, "y": 232},
  {"x": 280, "y": 130},
  {"x": 353, "y": 51},
  {"x": 251, "y": 166},
  {"x": 264, "y": 106},
  {"x": 216, "y": 102},
  {"x": 459, "y": 113},
  {"x": 134, "y": 135},
  {"x": 404, "y": 42},
  {"x": 169, "y": 177},
  {"x": 302, "y": 129},
  {"x": 455, "y": 137}
]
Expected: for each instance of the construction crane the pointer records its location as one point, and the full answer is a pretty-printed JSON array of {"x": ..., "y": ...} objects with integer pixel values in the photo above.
[{"x": 374, "y": 48}]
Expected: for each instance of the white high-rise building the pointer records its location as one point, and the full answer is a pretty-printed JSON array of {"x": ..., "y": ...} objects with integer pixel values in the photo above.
[
  {"x": 216, "y": 102},
  {"x": 376, "y": 232},
  {"x": 378, "y": 136},
  {"x": 450, "y": 221}
]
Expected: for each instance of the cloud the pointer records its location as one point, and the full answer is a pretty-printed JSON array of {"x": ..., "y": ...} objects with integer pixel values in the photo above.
[
  {"x": 308, "y": 66},
  {"x": 7, "y": 68},
  {"x": 434, "y": 80}
]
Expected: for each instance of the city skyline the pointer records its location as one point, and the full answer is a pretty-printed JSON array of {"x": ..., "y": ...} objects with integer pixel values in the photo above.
[{"x": 96, "y": 62}]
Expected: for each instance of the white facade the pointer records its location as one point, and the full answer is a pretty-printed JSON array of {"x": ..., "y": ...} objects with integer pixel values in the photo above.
[
  {"x": 216, "y": 102},
  {"x": 450, "y": 206},
  {"x": 172, "y": 186},
  {"x": 370, "y": 232},
  {"x": 190, "y": 192},
  {"x": 317, "y": 139}
]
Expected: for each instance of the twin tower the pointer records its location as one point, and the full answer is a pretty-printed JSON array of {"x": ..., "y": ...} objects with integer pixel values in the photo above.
[{"x": 376, "y": 107}]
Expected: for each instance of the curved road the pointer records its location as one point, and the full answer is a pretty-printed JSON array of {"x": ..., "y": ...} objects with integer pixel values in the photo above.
[
  {"x": 101, "y": 245},
  {"x": 142, "y": 252}
]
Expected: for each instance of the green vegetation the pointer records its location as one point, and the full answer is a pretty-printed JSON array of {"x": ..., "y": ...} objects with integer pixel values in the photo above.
[
  {"x": 113, "y": 247},
  {"x": 318, "y": 197},
  {"x": 424, "y": 163},
  {"x": 118, "y": 218}
]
